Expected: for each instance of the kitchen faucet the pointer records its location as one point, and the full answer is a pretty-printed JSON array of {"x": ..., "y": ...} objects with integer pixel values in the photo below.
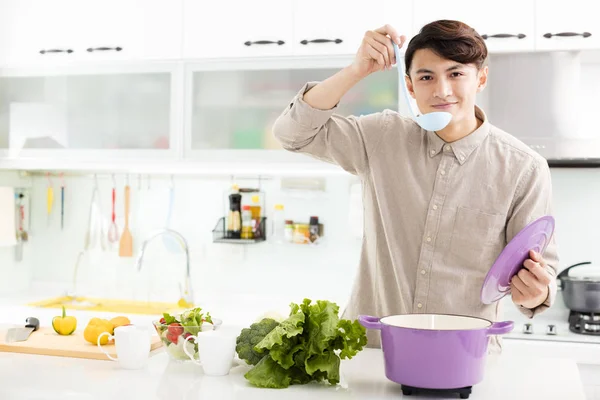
[{"x": 186, "y": 292}]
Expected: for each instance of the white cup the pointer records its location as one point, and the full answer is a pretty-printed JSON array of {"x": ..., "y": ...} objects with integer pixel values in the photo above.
[
  {"x": 216, "y": 350},
  {"x": 132, "y": 344}
]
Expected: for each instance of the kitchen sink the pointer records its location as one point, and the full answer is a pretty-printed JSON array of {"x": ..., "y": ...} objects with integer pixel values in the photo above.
[{"x": 111, "y": 305}]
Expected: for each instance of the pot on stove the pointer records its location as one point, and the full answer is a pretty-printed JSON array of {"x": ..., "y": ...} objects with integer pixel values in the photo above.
[{"x": 580, "y": 287}]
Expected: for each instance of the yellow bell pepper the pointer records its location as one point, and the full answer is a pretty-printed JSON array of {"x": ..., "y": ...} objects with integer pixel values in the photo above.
[
  {"x": 95, "y": 327},
  {"x": 64, "y": 325}
]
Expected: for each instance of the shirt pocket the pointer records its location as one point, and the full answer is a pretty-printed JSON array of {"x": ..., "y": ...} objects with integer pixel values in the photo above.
[{"x": 470, "y": 242}]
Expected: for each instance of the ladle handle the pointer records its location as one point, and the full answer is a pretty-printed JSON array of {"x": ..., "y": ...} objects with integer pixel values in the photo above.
[{"x": 401, "y": 74}]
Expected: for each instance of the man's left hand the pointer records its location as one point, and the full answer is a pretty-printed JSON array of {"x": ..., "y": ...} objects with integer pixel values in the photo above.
[{"x": 530, "y": 285}]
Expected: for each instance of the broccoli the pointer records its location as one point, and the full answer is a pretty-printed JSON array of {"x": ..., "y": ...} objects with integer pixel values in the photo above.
[{"x": 250, "y": 337}]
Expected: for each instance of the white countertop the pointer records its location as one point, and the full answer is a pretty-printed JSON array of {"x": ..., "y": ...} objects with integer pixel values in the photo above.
[
  {"x": 519, "y": 373},
  {"x": 45, "y": 377}
]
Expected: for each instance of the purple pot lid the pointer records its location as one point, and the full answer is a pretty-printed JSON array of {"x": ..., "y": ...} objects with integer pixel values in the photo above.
[{"x": 534, "y": 236}]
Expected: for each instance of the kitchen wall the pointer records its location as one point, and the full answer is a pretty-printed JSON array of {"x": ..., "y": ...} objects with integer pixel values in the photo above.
[
  {"x": 240, "y": 274},
  {"x": 220, "y": 272}
]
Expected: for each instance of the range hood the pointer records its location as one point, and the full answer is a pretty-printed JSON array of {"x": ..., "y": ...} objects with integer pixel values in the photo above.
[{"x": 545, "y": 100}]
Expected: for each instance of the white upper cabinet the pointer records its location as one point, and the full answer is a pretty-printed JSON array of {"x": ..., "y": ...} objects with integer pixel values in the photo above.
[
  {"x": 130, "y": 29},
  {"x": 47, "y": 32},
  {"x": 338, "y": 26},
  {"x": 214, "y": 29},
  {"x": 35, "y": 31},
  {"x": 38, "y": 32},
  {"x": 567, "y": 26},
  {"x": 506, "y": 26}
]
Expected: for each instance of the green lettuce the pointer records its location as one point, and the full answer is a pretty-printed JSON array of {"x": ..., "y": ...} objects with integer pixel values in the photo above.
[{"x": 307, "y": 346}]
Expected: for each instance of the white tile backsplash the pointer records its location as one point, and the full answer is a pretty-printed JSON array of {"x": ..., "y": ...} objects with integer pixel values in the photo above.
[{"x": 264, "y": 269}]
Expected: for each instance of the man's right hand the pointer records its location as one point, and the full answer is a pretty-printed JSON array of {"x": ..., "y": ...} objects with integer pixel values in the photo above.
[{"x": 376, "y": 51}]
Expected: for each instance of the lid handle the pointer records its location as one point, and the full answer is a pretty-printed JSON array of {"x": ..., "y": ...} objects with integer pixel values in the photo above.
[{"x": 565, "y": 272}]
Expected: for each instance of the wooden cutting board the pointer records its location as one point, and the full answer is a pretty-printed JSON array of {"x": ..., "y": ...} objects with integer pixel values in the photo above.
[{"x": 45, "y": 341}]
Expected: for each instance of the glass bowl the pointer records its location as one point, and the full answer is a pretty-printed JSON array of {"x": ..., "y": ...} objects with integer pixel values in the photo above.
[{"x": 173, "y": 338}]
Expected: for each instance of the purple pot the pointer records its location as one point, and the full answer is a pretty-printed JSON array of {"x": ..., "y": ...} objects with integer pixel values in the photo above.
[{"x": 435, "y": 351}]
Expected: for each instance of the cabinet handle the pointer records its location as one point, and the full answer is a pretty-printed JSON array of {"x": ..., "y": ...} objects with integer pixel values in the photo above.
[
  {"x": 504, "y": 36},
  {"x": 567, "y": 34},
  {"x": 92, "y": 49},
  {"x": 279, "y": 42},
  {"x": 336, "y": 41},
  {"x": 56, "y": 51}
]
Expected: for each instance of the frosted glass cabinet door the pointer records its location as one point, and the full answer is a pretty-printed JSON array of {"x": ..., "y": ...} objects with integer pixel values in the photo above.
[
  {"x": 236, "y": 109},
  {"x": 123, "y": 111}
]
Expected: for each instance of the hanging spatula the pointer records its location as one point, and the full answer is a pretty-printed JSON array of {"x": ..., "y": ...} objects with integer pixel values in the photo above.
[{"x": 126, "y": 242}]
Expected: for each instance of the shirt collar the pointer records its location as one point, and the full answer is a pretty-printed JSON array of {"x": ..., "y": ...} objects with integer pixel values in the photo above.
[{"x": 461, "y": 148}]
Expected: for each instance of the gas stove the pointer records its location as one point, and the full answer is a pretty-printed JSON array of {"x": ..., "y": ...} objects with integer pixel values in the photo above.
[
  {"x": 584, "y": 323},
  {"x": 558, "y": 324}
]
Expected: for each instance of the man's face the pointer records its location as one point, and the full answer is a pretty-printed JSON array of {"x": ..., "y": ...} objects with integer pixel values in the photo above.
[{"x": 439, "y": 84}]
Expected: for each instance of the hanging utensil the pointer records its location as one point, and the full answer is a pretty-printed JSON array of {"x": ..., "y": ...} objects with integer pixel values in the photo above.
[
  {"x": 21, "y": 233},
  {"x": 113, "y": 231},
  {"x": 49, "y": 197},
  {"x": 95, "y": 233},
  {"x": 171, "y": 243},
  {"x": 62, "y": 202},
  {"x": 126, "y": 243}
]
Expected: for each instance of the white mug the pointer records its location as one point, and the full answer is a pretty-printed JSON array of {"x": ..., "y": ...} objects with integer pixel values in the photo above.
[
  {"x": 132, "y": 344},
  {"x": 216, "y": 350}
]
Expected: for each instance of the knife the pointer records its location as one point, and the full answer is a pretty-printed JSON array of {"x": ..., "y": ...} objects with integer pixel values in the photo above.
[{"x": 21, "y": 334}]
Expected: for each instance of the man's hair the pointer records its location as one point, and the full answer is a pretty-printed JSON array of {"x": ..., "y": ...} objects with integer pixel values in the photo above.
[{"x": 449, "y": 39}]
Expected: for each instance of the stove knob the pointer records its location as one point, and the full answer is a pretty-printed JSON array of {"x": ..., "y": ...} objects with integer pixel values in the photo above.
[
  {"x": 528, "y": 329},
  {"x": 551, "y": 330}
]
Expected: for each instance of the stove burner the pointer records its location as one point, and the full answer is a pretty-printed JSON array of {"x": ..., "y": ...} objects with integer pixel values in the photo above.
[
  {"x": 585, "y": 323},
  {"x": 464, "y": 392}
]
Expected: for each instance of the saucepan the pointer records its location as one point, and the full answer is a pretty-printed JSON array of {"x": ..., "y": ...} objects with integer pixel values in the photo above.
[
  {"x": 435, "y": 351},
  {"x": 581, "y": 291}
]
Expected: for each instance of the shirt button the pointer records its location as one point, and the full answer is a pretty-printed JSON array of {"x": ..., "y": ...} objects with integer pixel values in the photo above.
[
  {"x": 462, "y": 158},
  {"x": 432, "y": 152},
  {"x": 420, "y": 305},
  {"x": 447, "y": 147},
  {"x": 423, "y": 272},
  {"x": 443, "y": 172},
  {"x": 428, "y": 239},
  {"x": 435, "y": 207}
]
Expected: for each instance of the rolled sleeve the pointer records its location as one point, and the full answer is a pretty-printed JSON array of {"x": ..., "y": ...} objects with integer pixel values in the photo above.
[{"x": 327, "y": 136}]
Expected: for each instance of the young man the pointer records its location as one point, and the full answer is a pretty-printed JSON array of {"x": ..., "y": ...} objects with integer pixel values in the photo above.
[{"x": 439, "y": 206}]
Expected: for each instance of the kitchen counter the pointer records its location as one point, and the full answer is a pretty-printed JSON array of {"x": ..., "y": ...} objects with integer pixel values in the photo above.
[
  {"x": 46, "y": 377},
  {"x": 42, "y": 377}
]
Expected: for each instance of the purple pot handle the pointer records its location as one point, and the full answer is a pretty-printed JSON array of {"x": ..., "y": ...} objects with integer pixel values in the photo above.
[
  {"x": 369, "y": 322},
  {"x": 500, "y": 328}
]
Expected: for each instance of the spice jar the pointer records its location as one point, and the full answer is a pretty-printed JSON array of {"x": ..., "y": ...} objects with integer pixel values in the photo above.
[
  {"x": 289, "y": 230},
  {"x": 246, "y": 223},
  {"x": 301, "y": 233}
]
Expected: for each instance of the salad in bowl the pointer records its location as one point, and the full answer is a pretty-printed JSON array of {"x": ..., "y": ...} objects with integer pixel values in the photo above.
[{"x": 174, "y": 329}]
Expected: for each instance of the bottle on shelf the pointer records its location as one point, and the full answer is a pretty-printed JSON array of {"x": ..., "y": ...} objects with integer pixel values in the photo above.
[
  {"x": 234, "y": 219},
  {"x": 289, "y": 231},
  {"x": 255, "y": 210},
  {"x": 314, "y": 229},
  {"x": 247, "y": 223},
  {"x": 278, "y": 234}
]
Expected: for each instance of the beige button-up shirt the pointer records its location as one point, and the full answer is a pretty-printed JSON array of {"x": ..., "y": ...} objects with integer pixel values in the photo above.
[{"x": 436, "y": 214}]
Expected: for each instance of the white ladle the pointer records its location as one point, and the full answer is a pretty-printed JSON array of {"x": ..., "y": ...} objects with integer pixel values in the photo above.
[{"x": 433, "y": 121}]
